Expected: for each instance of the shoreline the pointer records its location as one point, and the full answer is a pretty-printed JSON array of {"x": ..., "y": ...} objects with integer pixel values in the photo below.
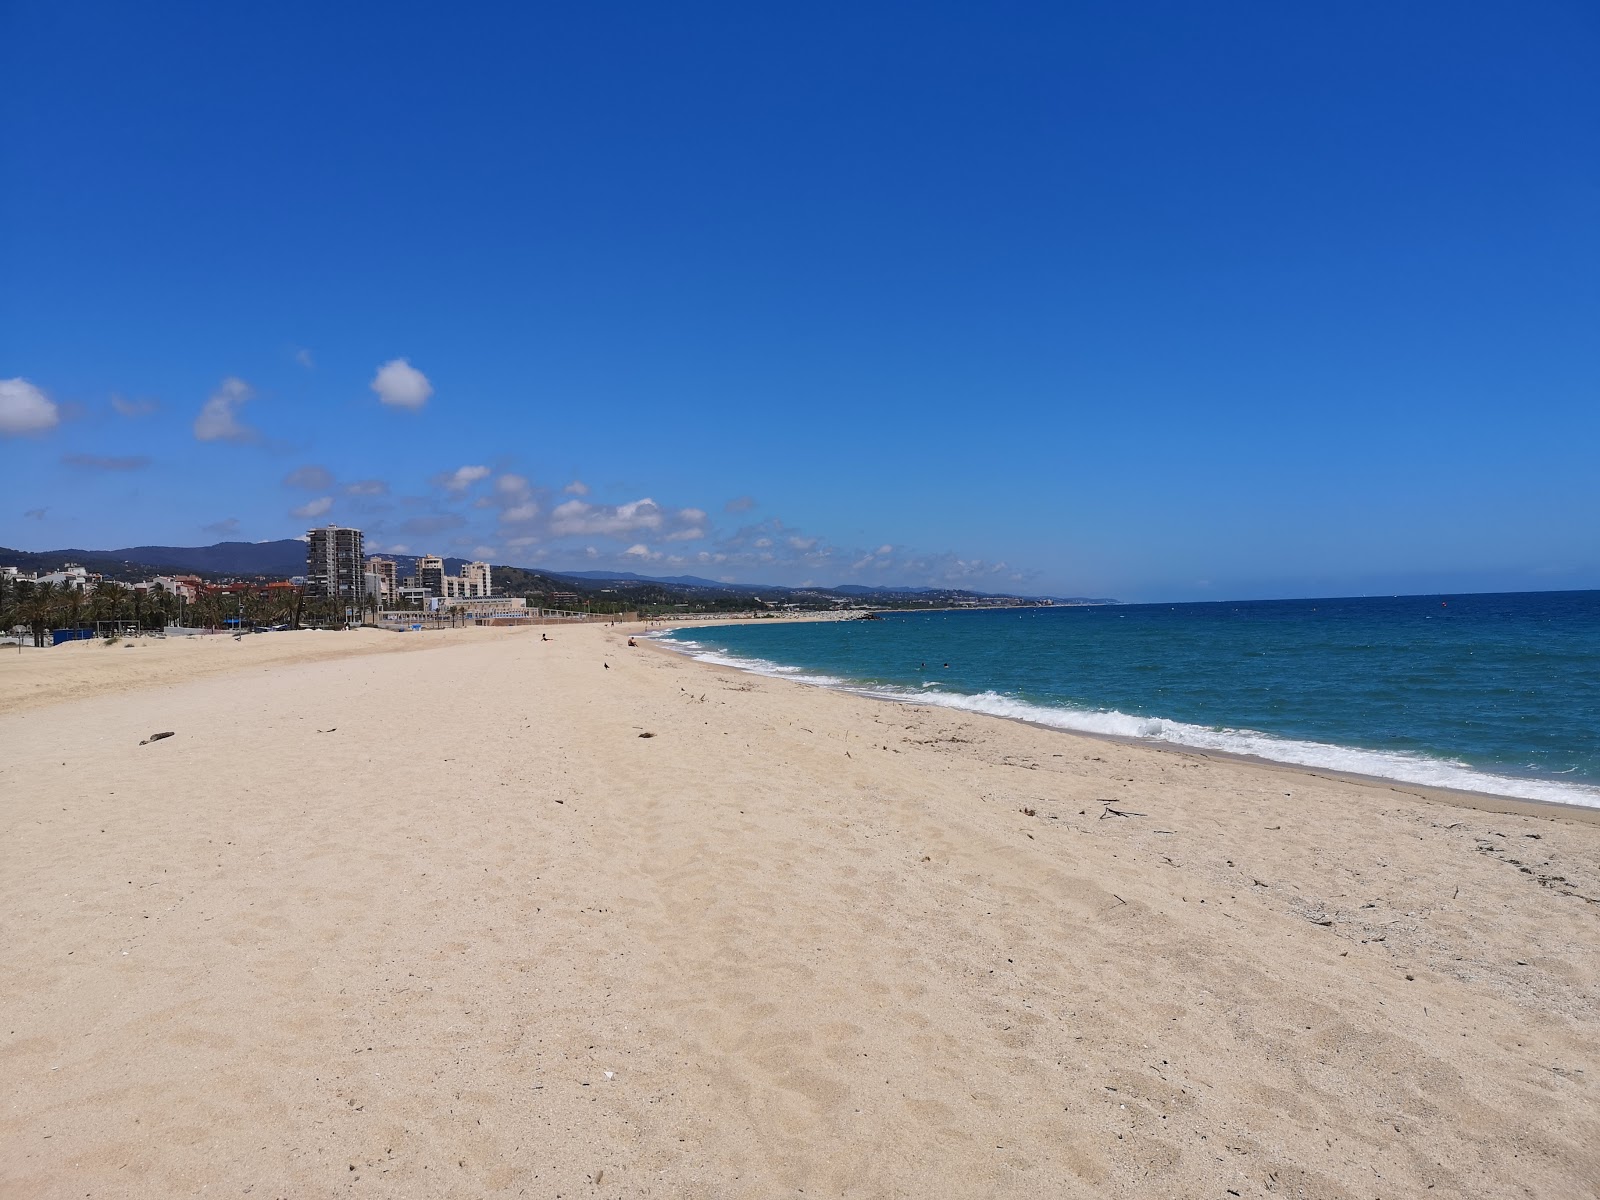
[
  {"x": 1434, "y": 793},
  {"x": 595, "y": 920}
]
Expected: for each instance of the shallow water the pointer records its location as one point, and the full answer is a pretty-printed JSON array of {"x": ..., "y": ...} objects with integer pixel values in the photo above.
[{"x": 1495, "y": 693}]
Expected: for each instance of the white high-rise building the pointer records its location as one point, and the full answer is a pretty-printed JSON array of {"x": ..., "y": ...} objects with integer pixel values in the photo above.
[{"x": 476, "y": 577}]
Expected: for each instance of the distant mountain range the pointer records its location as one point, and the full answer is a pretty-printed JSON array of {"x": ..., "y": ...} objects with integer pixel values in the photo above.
[
  {"x": 277, "y": 559},
  {"x": 287, "y": 557}
]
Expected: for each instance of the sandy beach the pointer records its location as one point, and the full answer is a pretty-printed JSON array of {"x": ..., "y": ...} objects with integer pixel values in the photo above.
[{"x": 471, "y": 913}]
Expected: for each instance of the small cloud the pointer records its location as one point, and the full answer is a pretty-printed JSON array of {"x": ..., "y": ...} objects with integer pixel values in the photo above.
[
  {"x": 692, "y": 516},
  {"x": 884, "y": 549},
  {"x": 133, "y": 408},
  {"x": 513, "y": 496},
  {"x": 367, "y": 487},
  {"x": 484, "y": 552},
  {"x": 303, "y": 357},
  {"x": 223, "y": 527},
  {"x": 313, "y": 508},
  {"x": 511, "y": 485},
  {"x": 423, "y": 526},
  {"x": 25, "y": 408},
  {"x": 739, "y": 504},
  {"x": 802, "y": 543},
  {"x": 400, "y": 385},
  {"x": 641, "y": 552},
  {"x": 99, "y": 462},
  {"x": 461, "y": 478},
  {"x": 588, "y": 551},
  {"x": 312, "y": 478},
  {"x": 522, "y": 543},
  {"x": 219, "y": 418},
  {"x": 35, "y": 514},
  {"x": 687, "y": 535},
  {"x": 576, "y": 488},
  {"x": 575, "y": 516}
]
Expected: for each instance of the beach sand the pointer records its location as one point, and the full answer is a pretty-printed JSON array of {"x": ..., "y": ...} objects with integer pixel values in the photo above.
[{"x": 427, "y": 915}]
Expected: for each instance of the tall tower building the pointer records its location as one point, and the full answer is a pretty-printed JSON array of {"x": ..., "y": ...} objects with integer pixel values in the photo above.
[
  {"x": 334, "y": 563},
  {"x": 430, "y": 574},
  {"x": 386, "y": 572},
  {"x": 476, "y": 577}
]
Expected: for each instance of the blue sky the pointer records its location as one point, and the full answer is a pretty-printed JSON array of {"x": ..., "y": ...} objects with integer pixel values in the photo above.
[{"x": 1158, "y": 301}]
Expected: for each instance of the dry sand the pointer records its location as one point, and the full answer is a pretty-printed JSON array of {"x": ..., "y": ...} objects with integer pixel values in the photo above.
[{"x": 438, "y": 921}]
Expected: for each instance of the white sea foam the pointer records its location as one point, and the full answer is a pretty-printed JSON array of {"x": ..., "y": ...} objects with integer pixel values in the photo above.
[{"x": 1402, "y": 768}]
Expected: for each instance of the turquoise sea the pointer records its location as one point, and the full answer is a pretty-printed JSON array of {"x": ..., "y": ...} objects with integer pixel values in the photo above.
[{"x": 1491, "y": 693}]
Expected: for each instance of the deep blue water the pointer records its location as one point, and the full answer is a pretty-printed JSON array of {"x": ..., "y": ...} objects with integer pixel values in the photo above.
[{"x": 1496, "y": 693}]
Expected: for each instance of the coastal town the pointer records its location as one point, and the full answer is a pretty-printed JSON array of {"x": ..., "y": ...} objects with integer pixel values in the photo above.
[{"x": 342, "y": 586}]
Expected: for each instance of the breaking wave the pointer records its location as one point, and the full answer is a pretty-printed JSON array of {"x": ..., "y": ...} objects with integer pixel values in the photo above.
[{"x": 1397, "y": 767}]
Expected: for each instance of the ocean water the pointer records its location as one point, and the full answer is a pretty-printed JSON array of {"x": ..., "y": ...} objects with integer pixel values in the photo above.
[{"x": 1494, "y": 693}]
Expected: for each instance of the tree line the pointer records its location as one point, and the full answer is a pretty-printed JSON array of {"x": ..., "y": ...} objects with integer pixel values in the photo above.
[{"x": 110, "y": 607}]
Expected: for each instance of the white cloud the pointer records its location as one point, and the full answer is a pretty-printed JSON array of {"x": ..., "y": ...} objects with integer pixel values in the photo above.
[
  {"x": 739, "y": 504},
  {"x": 513, "y": 495},
  {"x": 692, "y": 516},
  {"x": 223, "y": 527},
  {"x": 687, "y": 535},
  {"x": 367, "y": 487},
  {"x": 462, "y": 478},
  {"x": 575, "y": 516},
  {"x": 24, "y": 408},
  {"x": 642, "y": 552},
  {"x": 522, "y": 543},
  {"x": 400, "y": 385},
  {"x": 576, "y": 488},
  {"x": 484, "y": 552},
  {"x": 802, "y": 543},
  {"x": 884, "y": 549},
  {"x": 303, "y": 357},
  {"x": 219, "y": 418},
  {"x": 588, "y": 551},
  {"x": 314, "y": 508}
]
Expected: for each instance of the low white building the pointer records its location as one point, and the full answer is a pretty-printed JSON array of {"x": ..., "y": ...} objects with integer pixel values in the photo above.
[
  {"x": 70, "y": 576},
  {"x": 482, "y": 607}
]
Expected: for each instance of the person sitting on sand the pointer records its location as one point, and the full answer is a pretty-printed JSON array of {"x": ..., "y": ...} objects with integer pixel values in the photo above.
[{"x": 631, "y": 642}]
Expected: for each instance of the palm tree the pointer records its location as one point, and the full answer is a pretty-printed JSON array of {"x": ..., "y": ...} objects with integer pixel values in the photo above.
[{"x": 38, "y": 609}]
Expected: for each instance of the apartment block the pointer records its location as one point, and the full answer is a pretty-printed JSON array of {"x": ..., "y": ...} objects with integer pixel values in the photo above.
[{"x": 335, "y": 566}]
